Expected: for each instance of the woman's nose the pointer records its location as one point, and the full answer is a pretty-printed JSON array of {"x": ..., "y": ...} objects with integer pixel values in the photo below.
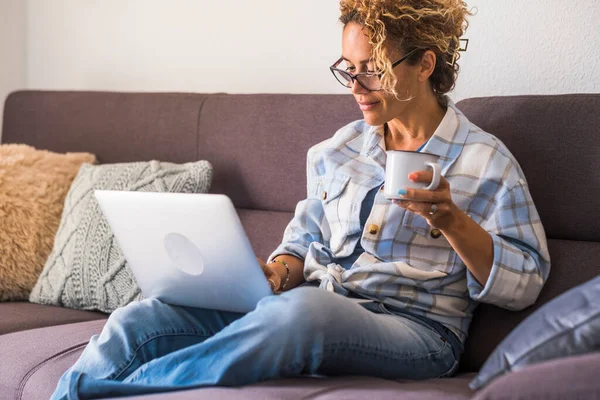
[{"x": 356, "y": 88}]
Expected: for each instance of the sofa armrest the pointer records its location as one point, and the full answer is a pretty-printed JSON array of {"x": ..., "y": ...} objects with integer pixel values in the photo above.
[{"x": 562, "y": 378}]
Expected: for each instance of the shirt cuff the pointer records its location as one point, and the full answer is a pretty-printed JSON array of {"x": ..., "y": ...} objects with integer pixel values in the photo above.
[
  {"x": 291, "y": 249},
  {"x": 505, "y": 286}
]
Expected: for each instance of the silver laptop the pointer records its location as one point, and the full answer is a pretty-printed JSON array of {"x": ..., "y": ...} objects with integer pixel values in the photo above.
[{"x": 186, "y": 249}]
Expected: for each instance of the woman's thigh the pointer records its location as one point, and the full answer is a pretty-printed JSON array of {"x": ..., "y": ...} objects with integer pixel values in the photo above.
[{"x": 345, "y": 338}]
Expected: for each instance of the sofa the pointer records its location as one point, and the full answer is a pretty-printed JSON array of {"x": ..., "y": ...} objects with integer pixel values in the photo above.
[{"x": 257, "y": 145}]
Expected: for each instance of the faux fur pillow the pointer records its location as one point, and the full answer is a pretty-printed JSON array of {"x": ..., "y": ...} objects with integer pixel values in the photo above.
[{"x": 33, "y": 186}]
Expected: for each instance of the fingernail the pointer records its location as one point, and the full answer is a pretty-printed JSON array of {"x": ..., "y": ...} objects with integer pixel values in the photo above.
[{"x": 402, "y": 192}]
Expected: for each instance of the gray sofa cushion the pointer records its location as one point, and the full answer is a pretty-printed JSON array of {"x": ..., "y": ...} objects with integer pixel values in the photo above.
[
  {"x": 86, "y": 269},
  {"x": 568, "y": 325}
]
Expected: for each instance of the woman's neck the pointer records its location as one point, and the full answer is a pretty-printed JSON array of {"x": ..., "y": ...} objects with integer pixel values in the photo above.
[{"x": 417, "y": 124}]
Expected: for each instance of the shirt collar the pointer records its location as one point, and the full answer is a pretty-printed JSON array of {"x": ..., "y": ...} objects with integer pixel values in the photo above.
[{"x": 446, "y": 142}]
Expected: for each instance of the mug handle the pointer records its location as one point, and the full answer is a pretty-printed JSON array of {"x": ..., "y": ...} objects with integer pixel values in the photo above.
[{"x": 437, "y": 172}]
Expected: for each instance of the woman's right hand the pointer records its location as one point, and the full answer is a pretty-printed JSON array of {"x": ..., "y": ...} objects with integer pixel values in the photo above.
[{"x": 273, "y": 278}]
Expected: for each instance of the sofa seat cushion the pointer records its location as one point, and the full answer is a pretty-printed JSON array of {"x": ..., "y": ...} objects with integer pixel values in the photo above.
[
  {"x": 20, "y": 316},
  {"x": 34, "y": 360},
  {"x": 28, "y": 355},
  {"x": 561, "y": 378},
  {"x": 343, "y": 388}
]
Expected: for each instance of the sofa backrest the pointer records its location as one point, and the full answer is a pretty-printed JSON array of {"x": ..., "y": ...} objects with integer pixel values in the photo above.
[
  {"x": 554, "y": 139},
  {"x": 117, "y": 127},
  {"x": 258, "y": 144}
]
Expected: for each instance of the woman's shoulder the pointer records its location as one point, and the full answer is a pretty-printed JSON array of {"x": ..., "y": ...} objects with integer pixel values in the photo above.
[
  {"x": 474, "y": 142},
  {"x": 480, "y": 139},
  {"x": 486, "y": 153}
]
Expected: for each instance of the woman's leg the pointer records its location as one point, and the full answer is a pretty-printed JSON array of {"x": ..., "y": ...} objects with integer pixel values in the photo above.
[
  {"x": 138, "y": 333},
  {"x": 303, "y": 331}
]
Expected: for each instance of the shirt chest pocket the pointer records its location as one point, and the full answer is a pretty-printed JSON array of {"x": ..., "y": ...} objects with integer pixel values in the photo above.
[
  {"x": 429, "y": 248},
  {"x": 416, "y": 223},
  {"x": 340, "y": 211}
]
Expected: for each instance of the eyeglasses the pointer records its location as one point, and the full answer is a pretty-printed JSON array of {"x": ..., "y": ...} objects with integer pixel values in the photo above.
[{"x": 371, "y": 81}]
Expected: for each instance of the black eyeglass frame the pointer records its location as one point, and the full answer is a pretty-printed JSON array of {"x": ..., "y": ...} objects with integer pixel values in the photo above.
[{"x": 354, "y": 77}]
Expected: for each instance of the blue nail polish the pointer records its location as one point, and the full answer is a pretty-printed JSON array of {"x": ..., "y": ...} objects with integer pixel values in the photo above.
[{"x": 401, "y": 192}]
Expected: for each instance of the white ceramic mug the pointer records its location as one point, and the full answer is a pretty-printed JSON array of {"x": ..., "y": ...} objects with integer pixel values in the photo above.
[{"x": 400, "y": 164}]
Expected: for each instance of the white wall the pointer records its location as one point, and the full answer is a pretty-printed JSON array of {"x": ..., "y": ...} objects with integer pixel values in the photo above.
[
  {"x": 12, "y": 49},
  {"x": 531, "y": 47},
  {"x": 241, "y": 46},
  {"x": 183, "y": 45}
]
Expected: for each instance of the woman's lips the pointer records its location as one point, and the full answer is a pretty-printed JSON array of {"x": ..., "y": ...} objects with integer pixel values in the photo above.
[{"x": 366, "y": 106}]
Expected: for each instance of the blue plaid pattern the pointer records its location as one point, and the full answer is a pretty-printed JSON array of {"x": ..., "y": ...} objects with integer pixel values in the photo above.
[{"x": 403, "y": 266}]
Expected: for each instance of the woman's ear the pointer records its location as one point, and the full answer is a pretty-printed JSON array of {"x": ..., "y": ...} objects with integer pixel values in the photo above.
[{"x": 427, "y": 65}]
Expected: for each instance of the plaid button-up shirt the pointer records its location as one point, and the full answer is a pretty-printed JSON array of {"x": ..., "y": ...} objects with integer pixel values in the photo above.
[{"x": 403, "y": 265}]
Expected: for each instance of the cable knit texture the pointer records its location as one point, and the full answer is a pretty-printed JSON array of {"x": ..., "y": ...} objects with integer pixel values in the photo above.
[
  {"x": 86, "y": 269},
  {"x": 33, "y": 186}
]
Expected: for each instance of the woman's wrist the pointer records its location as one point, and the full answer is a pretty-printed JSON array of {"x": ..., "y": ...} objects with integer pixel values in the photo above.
[
  {"x": 282, "y": 269},
  {"x": 456, "y": 222},
  {"x": 473, "y": 244},
  {"x": 296, "y": 266}
]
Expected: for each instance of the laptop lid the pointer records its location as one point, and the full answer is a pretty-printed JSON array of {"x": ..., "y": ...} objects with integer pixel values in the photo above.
[{"x": 186, "y": 249}]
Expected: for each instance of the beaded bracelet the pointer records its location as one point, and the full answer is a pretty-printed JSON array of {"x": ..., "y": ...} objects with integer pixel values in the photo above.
[{"x": 287, "y": 275}]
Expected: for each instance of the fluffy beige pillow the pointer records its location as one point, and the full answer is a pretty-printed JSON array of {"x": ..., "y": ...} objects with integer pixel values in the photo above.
[{"x": 33, "y": 186}]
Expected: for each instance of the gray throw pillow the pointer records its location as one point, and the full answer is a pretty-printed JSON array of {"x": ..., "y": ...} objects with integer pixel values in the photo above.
[
  {"x": 566, "y": 326},
  {"x": 86, "y": 269}
]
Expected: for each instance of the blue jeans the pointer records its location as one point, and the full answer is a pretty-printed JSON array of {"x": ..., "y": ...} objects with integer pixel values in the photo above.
[{"x": 150, "y": 346}]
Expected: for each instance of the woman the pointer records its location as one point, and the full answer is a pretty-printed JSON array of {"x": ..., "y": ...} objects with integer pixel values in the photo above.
[{"x": 420, "y": 267}]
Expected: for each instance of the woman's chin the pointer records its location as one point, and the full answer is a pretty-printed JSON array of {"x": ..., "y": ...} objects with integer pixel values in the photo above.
[{"x": 373, "y": 119}]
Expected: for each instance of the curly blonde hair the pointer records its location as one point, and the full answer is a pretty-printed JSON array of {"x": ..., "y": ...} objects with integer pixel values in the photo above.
[{"x": 407, "y": 25}]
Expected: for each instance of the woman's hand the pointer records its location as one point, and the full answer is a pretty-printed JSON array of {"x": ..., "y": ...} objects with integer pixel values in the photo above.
[
  {"x": 471, "y": 242},
  {"x": 445, "y": 211},
  {"x": 273, "y": 278}
]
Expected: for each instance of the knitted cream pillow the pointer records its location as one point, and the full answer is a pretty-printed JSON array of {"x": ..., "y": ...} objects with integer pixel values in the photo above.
[
  {"x": 86, "y": 269},
  {"x": 33, "y": 186}
]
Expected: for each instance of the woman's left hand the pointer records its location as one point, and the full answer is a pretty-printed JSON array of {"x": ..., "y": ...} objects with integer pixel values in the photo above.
[{"x": 445, "y": 209}]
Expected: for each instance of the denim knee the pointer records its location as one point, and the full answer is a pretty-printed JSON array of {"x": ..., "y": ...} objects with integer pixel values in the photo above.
[
  {"x": 124, "y": 323},
  {"x": 135, "y": 312},
  {"x": 302, "y": 310}
]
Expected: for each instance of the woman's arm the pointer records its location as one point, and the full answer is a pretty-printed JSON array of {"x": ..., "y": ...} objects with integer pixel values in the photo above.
[
  {"x": 472, "y": 243},
  {"x": 510, "y": 272},
  {"x": 305, "y": 228}
]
